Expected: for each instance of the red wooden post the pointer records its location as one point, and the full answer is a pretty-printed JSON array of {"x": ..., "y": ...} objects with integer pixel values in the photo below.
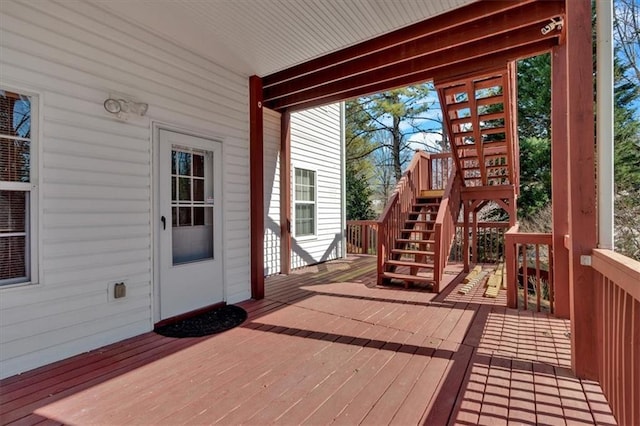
[
  {"x": 512, "y": 271},
  {"x": 256, "y": 177},
  {"x": 559, "y": 177},
  {"x": 474, "y": 238},
  {"x": 382, "y": 235},
  {"x": 365, "y": 238},
  {"x": 582, "y": 186},
  {"x": 465, "y": 236},
  {"x": 285, "y": 192}
]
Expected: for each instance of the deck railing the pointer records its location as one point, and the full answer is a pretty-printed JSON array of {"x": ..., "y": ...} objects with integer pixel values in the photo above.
[
  {"x": 488, "y": 246},
  {"x": 445, "y": 227},
  {"x": 618, "y": 318},
  {"x": 362, "y": 237},
  {"x": 426, "y": 171},
  {"x": 528, "y": 259}
]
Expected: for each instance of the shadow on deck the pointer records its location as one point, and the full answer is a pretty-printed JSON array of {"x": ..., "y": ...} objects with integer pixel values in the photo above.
[{"x": 328, "y": 345}]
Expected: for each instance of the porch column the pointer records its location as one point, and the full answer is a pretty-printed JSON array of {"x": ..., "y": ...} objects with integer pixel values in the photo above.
[
  {"x": 256, "y": 179},
  {"x": 285, "y": 192},
  {"x": 582, "y": 187},
  {"x": 559, "y": 179}
]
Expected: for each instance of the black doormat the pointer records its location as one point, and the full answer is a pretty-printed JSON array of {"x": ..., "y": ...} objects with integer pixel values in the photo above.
[{"x": 211, "y": 322}]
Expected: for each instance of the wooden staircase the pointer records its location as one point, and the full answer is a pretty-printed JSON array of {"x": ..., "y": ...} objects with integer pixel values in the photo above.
[{"x": 412, "y": 258}]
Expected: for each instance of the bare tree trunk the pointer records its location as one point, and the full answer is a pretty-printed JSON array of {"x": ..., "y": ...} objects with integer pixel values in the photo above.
[{"x": 397, "y": 140}]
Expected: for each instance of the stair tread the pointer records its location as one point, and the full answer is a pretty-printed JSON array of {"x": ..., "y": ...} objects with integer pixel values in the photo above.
[
  {"x": 409, "y": 264},
  {"x": 407, "y": 251},
  {"x": 406, "y": 277},
  {"x": 410, "y": 240}
]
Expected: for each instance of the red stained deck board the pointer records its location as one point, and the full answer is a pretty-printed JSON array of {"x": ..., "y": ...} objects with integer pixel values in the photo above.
[{"x": 327, "y": 345}]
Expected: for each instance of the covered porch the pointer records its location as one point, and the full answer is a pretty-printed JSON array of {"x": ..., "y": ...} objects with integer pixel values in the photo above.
[{"x": 328, "y": 345}]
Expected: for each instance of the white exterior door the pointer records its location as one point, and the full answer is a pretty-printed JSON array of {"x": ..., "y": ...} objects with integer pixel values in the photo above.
[{"x": 190, "y": 240}]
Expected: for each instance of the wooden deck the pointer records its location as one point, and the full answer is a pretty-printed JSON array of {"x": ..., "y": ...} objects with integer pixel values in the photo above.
[{"x": 327, "y": 345}]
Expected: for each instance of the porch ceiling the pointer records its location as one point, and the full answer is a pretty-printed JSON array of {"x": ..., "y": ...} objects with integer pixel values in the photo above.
[{"x": 262, "y": 37}]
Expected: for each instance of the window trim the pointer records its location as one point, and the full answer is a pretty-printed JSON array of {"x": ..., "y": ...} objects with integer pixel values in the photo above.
[
  {"x": 33, "y": 224},
  {"x": 314, "y": 235}
]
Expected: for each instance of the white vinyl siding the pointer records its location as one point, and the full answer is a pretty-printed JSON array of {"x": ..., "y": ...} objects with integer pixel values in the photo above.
[
  {"x": 316, "y": 141},
  {"x": 95, "y": 179},
  {"x": 271, "y": 192}
]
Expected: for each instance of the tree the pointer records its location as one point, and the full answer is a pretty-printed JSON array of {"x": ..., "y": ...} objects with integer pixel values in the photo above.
[
  {"x": 393, "y": 117},
  {"x": 358, "y": 195},
  {"x": 359, "y": 169},
  {"x": 534, "y": 97},
  {"x": 534, "y": 130},
  {"x": 626, "y": 35}
]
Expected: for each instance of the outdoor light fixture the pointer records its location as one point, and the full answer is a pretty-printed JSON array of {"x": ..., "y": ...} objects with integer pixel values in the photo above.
[
  {"x": 123, "y": 106},
  {"x": 556, "y": 23}
]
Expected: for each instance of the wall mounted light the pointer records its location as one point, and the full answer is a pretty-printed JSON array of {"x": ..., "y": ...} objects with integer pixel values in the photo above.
[
  {"x": 556, "y": 23},
  {"x": 123, "y": 106}
]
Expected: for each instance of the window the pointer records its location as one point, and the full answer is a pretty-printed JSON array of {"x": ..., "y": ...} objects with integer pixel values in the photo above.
[
  {"x": 305, "y": 202},
  {"x": 17, "y": 188},
  {"x": 191, "y": 204}
]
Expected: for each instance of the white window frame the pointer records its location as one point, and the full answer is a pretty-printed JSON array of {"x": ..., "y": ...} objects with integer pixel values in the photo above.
[
  {"x": 314, "y": 235},
  {"x": 31, "y": 223}
]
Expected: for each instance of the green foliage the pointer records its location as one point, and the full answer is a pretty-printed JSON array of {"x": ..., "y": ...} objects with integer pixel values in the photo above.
[
  {"x": 534, "y": 97},
  {"x": 358, "y": 195},
  {"x": 535, "y": 176},
  {"x": 626, "y": 131}
]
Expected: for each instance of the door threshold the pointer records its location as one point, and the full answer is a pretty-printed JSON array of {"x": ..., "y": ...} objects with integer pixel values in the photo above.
[{"x": 187, "y": 315}]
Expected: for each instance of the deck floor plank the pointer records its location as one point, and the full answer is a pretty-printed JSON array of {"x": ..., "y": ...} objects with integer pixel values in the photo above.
[{"x": 327, "y": 345}]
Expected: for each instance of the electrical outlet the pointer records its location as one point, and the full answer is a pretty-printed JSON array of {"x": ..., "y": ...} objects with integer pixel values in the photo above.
[{"x": 117, "y": 290}]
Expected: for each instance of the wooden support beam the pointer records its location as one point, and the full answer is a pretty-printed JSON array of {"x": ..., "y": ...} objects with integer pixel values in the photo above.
[
  {"x": 488, "y": 64},
  {"x": 433, "y": 43},
  {"x": 256, "y": 179},
  {"x": 285, "y": 192},
  {"x": 582, "y": 197},
  {"x": 477, "y": 137},
  {"x": 474, "y": 236},
  {"x": 559, "y": 179},
  {"x": 487, "y": 192},
  {"x": 465, "y": 235},
  {"x": 390, "y": 78},
  {"x": 510, "y": 90}
]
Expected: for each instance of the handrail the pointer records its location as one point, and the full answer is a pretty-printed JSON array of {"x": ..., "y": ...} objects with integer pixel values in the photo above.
[
  {"x": 445, "y": 227},
  {"x": 520, "y": 249},
  {"x": 617, "y": 313}
]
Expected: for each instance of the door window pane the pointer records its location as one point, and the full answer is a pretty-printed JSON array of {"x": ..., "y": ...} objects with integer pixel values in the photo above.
[
  {"x": 184, "y": 189},
  {"x": 184, "y": 216},
  {"x": 192, "y": 231},
  {"x": 198, "y": 165},
  {"x": 198, "y": 190}
]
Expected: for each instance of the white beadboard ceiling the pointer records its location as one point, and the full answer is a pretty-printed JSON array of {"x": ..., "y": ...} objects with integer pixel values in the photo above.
[{"x": 263, "y": 36}]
